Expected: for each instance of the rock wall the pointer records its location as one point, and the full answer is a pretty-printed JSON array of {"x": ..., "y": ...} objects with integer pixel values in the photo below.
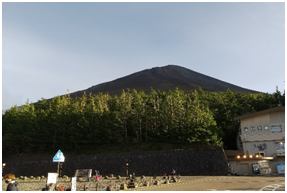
[{"x": 201, "y": 161}]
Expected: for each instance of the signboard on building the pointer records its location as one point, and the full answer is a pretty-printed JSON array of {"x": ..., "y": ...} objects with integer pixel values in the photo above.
[
  {"x": 280, "y": 146},
  {"x": 281, "y": 168},
  {"x": 263, "y": 164},
  {"x": 256, "y": 168},
  {"x": 276, "y": 128}
]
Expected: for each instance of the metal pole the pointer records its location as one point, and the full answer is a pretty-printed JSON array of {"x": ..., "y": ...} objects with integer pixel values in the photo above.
[
  {"x": 3, "y": 165},
  {"x": 127, "y": 169},
  {"x": 61, "y": 167},
  {"x": 58, "y": 167}
]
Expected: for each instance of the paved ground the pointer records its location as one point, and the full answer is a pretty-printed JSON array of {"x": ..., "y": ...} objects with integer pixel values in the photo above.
[
  {"x": 187, "y": 183},
  {"x": 222, "y": 183}
]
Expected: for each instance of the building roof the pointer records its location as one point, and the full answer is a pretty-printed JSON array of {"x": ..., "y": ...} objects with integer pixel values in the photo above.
[{"x": 275, "y": 109}]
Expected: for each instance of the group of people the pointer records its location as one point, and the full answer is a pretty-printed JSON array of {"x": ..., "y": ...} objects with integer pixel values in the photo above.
[
  {"x": 12, "y": 184},
  {"x": 172, "y": 173}
]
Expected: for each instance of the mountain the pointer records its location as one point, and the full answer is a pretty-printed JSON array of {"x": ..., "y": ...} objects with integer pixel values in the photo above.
[{"x": 164, "y": 79}]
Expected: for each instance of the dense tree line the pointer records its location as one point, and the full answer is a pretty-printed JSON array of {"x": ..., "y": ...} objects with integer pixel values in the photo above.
[{"x": 69, "y": 124}]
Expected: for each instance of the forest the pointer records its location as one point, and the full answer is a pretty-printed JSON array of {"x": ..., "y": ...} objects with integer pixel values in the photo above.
[{"x": 69, "y": 124}]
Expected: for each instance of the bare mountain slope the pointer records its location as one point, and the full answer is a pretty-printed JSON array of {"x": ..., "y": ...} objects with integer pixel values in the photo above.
[{"x": 164, "y": 79}]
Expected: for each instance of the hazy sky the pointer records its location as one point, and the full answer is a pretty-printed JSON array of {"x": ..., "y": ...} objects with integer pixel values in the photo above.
[{"x": 50, "y": 48}]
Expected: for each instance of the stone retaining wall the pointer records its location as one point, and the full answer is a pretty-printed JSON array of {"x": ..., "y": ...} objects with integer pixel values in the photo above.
[{"x": 201, "y": 161}]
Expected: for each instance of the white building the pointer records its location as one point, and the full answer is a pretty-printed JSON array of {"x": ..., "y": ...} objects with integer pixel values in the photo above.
[{"x": 261, "y": 143}]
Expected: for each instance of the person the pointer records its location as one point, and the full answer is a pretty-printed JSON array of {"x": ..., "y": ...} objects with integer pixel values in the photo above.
[
  {"x": 97, "y": 176},
  {"x": 12, "y": 184},
  {"x": 172, "y": 172},
  {"x": 164, "y": 176}
]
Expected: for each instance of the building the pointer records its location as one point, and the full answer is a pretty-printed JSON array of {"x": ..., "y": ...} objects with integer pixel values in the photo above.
[{"x": 260, "y": 143}]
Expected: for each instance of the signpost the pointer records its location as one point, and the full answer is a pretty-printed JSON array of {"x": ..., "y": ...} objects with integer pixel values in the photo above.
[
  {"x": 52, "y": 178},
  {"x": 59, "y": 157}
]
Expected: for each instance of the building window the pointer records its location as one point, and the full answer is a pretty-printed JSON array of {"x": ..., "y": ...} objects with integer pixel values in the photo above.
[
  {"x": 266, "y": 127},
  {"x": 260, "y": 154},
  {"x": 252, "y": 129},
  {"x": 276, "y": 128},
  {"x": 245, "y": 129},
  {"x": 259, "y": 128},
  {"x": 280, "y": 146}
]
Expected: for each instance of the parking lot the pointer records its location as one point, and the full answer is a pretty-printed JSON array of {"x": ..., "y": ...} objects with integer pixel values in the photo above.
[{"x": 223, "y": 183}]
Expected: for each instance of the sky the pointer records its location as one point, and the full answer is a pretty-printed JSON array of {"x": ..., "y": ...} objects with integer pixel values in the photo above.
[{"x": 51, "y": 49}]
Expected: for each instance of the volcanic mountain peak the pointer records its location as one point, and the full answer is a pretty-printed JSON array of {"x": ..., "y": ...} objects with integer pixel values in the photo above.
[{"x": 164, "y": 79}]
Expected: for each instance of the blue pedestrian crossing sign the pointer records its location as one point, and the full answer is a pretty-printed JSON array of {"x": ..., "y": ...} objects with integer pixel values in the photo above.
[{"x": 59, "y": 157}]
